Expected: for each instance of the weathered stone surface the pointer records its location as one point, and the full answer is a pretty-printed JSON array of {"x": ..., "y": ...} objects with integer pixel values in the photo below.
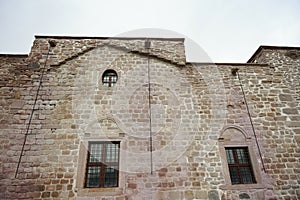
[
  {"x": 45, "y": 194},
  {"x": 244, "y": 196},
  {"x": 290, "y": 111},
  {"x": 201, "y": 194},
  {"x": 285, "y": 97},
  {"x": 297, "y": 138},
  {"x": 189, "y": 194},
  {"x": 194, "y": 108},
  {"x": 213, "y": 195}
]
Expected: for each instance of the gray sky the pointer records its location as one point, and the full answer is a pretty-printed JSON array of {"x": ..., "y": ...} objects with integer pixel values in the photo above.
[{"x": 227, "y": 30}]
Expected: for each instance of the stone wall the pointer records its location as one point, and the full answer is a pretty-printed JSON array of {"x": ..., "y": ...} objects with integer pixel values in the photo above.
[
  {"x": 56, "y": 100},
  {"x": 282, "y": 130}
]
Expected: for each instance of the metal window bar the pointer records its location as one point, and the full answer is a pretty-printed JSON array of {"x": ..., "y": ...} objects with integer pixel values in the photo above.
[
  {"x": 109, "y": 78},
  {"x": 102, "y": 164},
  {"x": 239, "y": 165}
]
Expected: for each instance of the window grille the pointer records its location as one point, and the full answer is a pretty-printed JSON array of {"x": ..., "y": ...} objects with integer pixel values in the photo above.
[
  {"x": 239, "y": 165},
  {"x": 102, "y": 168},
  {"x": 109, "y": 78}
]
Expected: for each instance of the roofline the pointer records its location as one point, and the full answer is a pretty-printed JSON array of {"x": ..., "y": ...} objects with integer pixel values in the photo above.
[
  {"x": 105, "y": 38},
  {"x": 13, "y": 55},
  {"x": 229, "y": 64},
  {"x": 133, "y": 51},
  {"x": 260, "y": 48}
]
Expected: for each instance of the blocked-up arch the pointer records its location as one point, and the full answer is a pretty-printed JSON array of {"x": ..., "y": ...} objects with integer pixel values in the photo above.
[{"x": 234, "y": 133}]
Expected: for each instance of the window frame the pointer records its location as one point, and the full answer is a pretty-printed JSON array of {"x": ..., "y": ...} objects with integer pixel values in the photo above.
[
  {"x": 112, "y": 76},
  {"x": 229, "y": 139},
  {"x": 81, "y": 167},
  {"x": 255, "y": 168},
  {"x": 239, "y": 165},
  {"x": 103, "y": 164}
]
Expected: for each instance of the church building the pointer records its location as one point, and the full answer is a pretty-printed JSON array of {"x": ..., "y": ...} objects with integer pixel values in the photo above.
[{"x": 125, "y": 118}]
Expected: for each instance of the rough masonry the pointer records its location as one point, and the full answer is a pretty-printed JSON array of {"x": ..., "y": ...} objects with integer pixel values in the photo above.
[{"x": 173, "y": 120}]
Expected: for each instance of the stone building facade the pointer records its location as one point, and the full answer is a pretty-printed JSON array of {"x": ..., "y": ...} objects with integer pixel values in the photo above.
[{"x": 129, "y": 118}]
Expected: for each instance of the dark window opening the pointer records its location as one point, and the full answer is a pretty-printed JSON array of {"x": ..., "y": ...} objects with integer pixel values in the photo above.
[
  {"x": 109, "y": 78},
  {"x": 102, "y": 168},
  {"x": 239, "y": 165}
]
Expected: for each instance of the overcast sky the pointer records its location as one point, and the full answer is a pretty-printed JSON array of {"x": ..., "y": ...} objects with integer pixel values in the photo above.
[{"x": 227, "y": 30}]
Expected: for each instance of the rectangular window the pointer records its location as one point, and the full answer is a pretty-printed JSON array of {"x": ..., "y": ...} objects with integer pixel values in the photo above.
[
  {"x": 102, "y": 169},
  {"x": 239, "y": 165}
]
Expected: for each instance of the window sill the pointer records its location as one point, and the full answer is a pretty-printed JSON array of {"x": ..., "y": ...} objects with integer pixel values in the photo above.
[
  {"x": 104, "y": 191},
  {"x": 242, "y": 186}
]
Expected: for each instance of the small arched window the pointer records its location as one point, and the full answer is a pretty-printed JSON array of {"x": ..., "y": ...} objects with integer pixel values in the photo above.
[{"x": 109, "y": 78}]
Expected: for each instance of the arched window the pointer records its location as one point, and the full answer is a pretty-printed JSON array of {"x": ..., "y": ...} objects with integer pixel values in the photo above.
[{"x": 109, "y": 78}]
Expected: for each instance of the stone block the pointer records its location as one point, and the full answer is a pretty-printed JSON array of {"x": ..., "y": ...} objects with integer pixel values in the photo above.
[
  {"x": 45, "y": 195},
  {"x": 213, "y": 195},
  {"x": 17, "y": 104},
  {"x": 285, "y": 97},
  {"x": 175, "y": 195},
  {"x": 290, "y": 111},
  {"x": 244, "y": 196},
  {"x": 202, "y": 194},
  {"x": 188, "y": 195}
]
